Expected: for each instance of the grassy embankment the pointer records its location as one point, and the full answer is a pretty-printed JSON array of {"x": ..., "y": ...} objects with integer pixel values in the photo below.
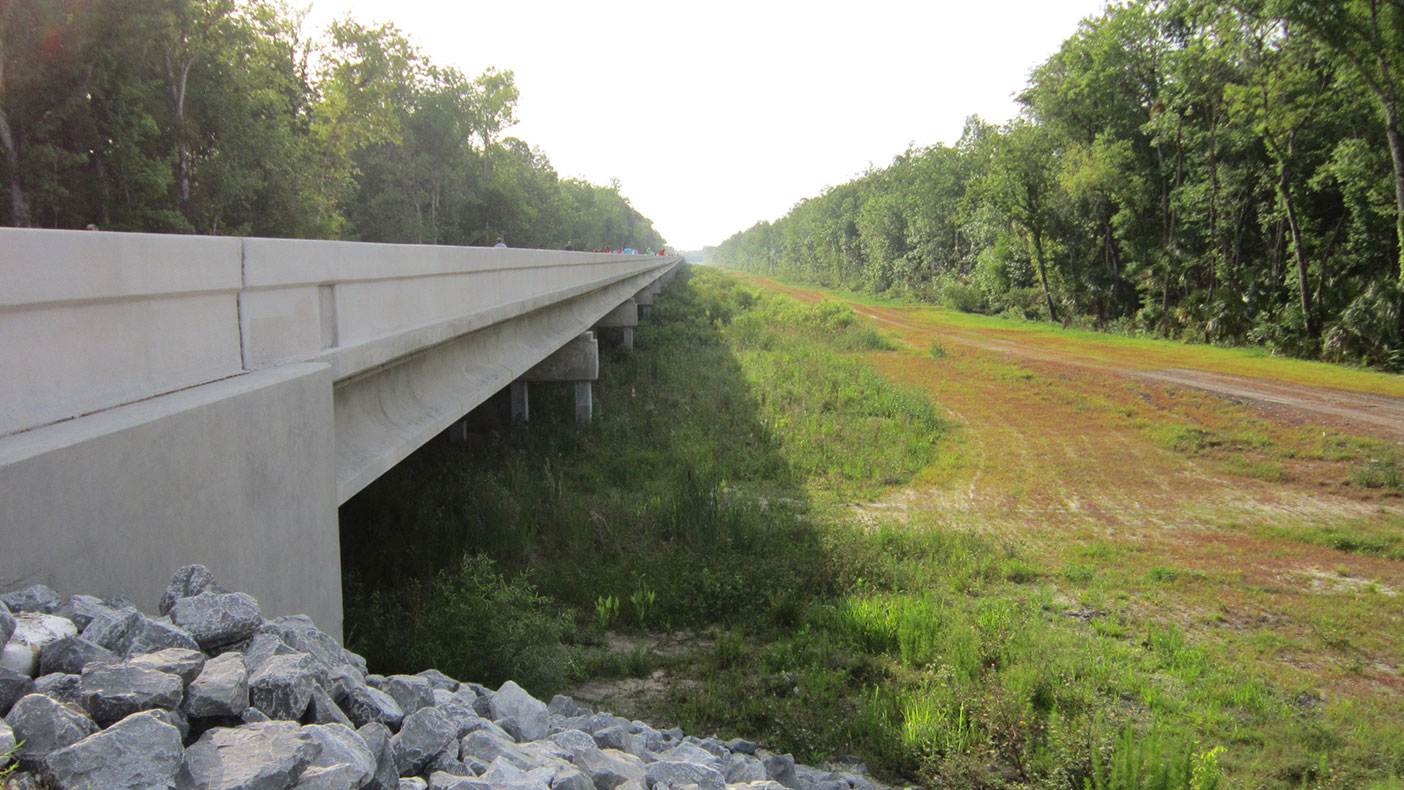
[{"x": 710, "y": 496}]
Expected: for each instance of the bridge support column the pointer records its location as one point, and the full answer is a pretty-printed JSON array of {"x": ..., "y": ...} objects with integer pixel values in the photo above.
[
  {"x": 624, "y": 318},
  {"x": 577, "y": 362},
  {"x": 644, "y": 299}
]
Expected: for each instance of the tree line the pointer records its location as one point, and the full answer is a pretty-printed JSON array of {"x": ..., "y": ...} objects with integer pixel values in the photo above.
[
  {"x": 1228, "y": 173},
  {"x": 224, "y": 117}
]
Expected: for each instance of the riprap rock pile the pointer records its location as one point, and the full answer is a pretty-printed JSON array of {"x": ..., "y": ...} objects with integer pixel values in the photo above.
[{"x": 210, "y": 695}]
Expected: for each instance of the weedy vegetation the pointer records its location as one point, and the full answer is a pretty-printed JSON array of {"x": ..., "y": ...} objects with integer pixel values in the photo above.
[{"x": 713, "y": 497}]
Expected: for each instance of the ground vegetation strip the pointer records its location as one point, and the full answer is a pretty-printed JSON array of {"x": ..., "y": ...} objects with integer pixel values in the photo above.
[
  {"x": 227, "y": 117},
  {"x": 967, "y": 567},
  {"x": 1227, "y": 172}
]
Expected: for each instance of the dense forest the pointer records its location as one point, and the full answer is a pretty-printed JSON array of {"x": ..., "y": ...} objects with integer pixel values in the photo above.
[
  {"x": 1222, "y": 172},
  {"x": 224, "y": 116}
]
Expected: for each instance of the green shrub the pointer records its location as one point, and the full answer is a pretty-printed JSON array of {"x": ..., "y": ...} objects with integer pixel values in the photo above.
[{"x": 965, "y": 298}]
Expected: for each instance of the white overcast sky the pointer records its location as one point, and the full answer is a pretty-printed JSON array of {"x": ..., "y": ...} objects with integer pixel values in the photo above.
[{"x": 715, "y": 115}]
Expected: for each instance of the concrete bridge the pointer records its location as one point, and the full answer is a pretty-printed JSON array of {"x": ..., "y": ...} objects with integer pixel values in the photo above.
[{"x": 175, "y": 399}]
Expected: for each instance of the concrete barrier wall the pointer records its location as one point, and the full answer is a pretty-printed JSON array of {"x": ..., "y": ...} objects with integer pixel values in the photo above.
[{"x": 175, "y": 399}]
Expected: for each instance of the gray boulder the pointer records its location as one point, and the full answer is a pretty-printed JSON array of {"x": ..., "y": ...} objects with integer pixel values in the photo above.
[
  {"x": 36, "y": 598},
  {"x": 563, "y": 706},
  {"x": 344, "y": 761},
  {"x": 149, "y": 635},
  {"x": 574, "y": 741},
  {"x": 488, "y": 749},
  {"x": 70, "y": 654},
  {"x": 83, "y": 609},
  {"x": 323, "y": 710},
  {"x": 43, "y": 725},
  {"x": 111, "y": 692},
  {"x": 503, "y": 775},
  {"x": 62, "y": 687},
  {"x": 263, "y": 646},
  {"x": 619, "y": 737},
  {"x": 365, "y": 704},
  {"x": 179, "y": 661},
  {"x": 440, "y": 681},
  {"x": 282, "y": 686},
  {"x": 610, "y": 768},
  {"x": 411, "y": 783},
  {"x": 441, "y": 780},
  {"x": 686, "y": 752},
  {"x": 572, "y": 779},
  {"x": 265, "y": 756},
  {"x": 424, "y": 735},
  {"x": 111, "y": 628},
  {"x": 741, "y": 745},
  {"x": 221, "y": 688},
  {"x": 140, "y": 752},
  {"x": 185, "y": 582},
  {"x": 376, "y": 736},
  {"x": 781, "y": 768},
  {"x": 411, "y": 691},
  {"x": 676, "y": 774},
  {"x": 13, "y": 685},
  {"x": 744, "y": 769},
  {"x": 216, "y": 619},
  {"x": 7, "y": 623},
  {"x": 7, "y": 743},
  {"x": 511, "y": 701},
  {"x": 33, "y": 632}
]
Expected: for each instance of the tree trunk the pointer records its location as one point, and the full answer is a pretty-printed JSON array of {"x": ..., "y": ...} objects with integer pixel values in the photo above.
[
  {"x": 1396, "y": 151},
  {"x": 1300, "y": 256},
  {"x": 1037, "y": 239}
]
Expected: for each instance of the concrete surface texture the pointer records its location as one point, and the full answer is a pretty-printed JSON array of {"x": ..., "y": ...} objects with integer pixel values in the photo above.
[{"x": 166, "y": 400}]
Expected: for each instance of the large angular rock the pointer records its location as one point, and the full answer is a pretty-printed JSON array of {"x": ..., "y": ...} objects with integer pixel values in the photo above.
[
  {"x": 424, "y": 735},
  {"x": 610, "y": 768},
  {"x": 487, "y": 748},
  {"x": 221, "y": 688},
  {"x": 13, "y": 685},
  {"x": 365, "y": 704},
  {"x": 781, "y": 768},
  {"x": 149, "y": 635},
  {"x": 440, "y": 681},
  {"x": 744, "y": 769},
  {"x": 265, "y": 756},
  {"x": 676, "y": 774},
  {"x": 185, "y": 582},
  {"x": 572, "y": 779},
  {"x": 83, "y": 609},
  {"x": 693, "y": 753},
  {"x": 323, "y": 710},
  {"x": 140, "y": 752},
  {"x": 511, "y": 701},
  {"x": 263, "y": 646},
  {"x": 282, "y": 686},
  {"x": 112, "y": 692},
  {"x": 179, "y": 661},
  {"x": 441, "y": 780},
  {"x": 574, "y": 741},
  {"x": 7, "y": 623},
  {"x": 33, "y": 632},
  {"x": 619, "y": 737},
  {"x": 217, "y": 619},
  {"x": 37, "y": 598},
  {"x": 112, "y": 628},
  {"x": 7, "y": 743},
  {"x": 43, "y": 725},
  {"x": 377, "y": 738},
  {"x": 61, "y": 686},
  {"x": 503, "y": 775},
  {"x": 563, "y": 707},
  {"x": 411, "y": 691},
  {"x": 343, "y": 762},
  {"x": 70, "y": 654}
]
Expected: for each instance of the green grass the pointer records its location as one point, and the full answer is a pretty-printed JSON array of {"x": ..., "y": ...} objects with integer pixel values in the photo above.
[{"x": 710, "y": 494}]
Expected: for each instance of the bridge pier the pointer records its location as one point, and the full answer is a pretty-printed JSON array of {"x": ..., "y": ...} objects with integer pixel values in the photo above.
[
  {"x": 577, "y": 362},
  {"x": 644, "y": 299},
  {"x": 624, "y": 318}
]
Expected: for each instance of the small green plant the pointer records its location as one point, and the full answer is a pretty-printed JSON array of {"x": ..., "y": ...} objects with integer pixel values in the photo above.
[
  {"x": 642, "y": 601},
  {"x": 606, "y": 610},
  {"x": 937, "y": 350},
  {"x": 1380, "y": 472}
]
